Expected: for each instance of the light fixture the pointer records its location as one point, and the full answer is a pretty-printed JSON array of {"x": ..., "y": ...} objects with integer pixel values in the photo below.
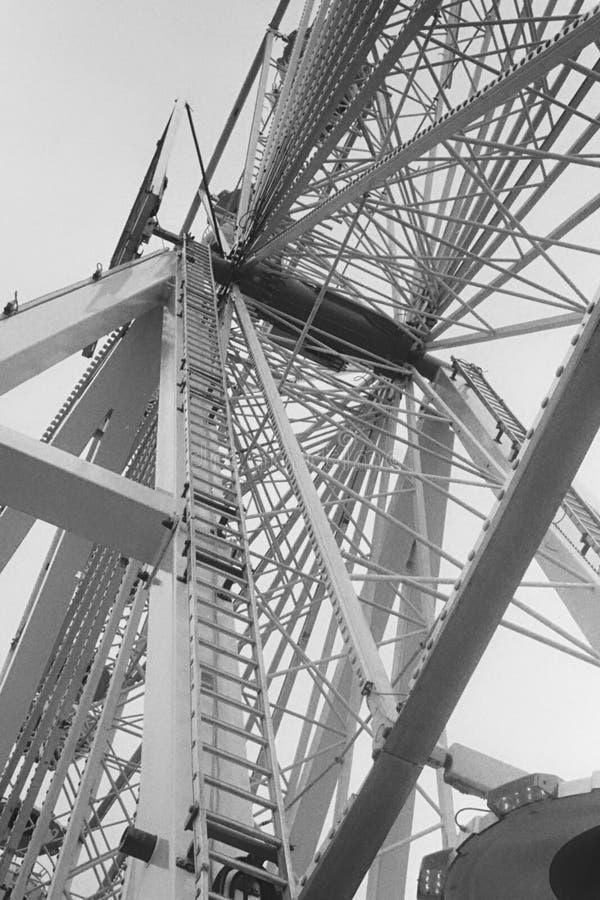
[
  {"x": 432, "y": 874},
  {"x": 514, "y": 794}
]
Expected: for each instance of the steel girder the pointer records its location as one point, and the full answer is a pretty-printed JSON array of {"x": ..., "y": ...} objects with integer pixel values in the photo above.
[
  {"x": 565, "y": 429},
  {"x": 536, "y": 65}
]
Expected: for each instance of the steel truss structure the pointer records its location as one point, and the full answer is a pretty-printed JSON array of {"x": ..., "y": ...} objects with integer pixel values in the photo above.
[{"x": 290, "y": 510}]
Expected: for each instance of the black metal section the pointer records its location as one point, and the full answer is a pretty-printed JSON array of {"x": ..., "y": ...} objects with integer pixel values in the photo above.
[
  {"x": 204, "y": 177},
  {"x": 54, "y": 836},
  {"x": 341, "y": 324},
  {"x": 138, "y": 227},
  {"x": 575, "y": 870},
  {"x": 530, "y": 853},
  {"x": 137, "y": 843},
  {"x": 145, "y": 207},
  {"x": 262, "y": 847},
  {"x": 245, "y": 882}
]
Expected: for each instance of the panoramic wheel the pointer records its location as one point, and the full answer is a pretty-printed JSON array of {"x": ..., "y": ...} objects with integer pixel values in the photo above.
[{"x": 350, "y": 414}]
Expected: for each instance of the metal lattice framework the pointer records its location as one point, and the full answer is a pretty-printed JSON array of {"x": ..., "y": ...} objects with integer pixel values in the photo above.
[{"x": 291, "y": 511}]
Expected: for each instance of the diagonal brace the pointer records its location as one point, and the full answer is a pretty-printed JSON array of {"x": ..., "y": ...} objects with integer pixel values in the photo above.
[
  {"x": 355, "y": 631},
  {"x": 548, "y": 461}
]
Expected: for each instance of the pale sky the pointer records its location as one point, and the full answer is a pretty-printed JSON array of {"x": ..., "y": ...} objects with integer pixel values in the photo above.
[{"x": 86, "y": 87}]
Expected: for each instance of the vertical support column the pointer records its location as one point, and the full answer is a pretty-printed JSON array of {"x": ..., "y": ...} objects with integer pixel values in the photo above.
[
  {"x": 165, "y": 787},
  {"x": 388, "y": 873}
]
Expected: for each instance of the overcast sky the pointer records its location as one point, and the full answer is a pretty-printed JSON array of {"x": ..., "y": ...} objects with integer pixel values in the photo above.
[{"x": 86, "y": 87}]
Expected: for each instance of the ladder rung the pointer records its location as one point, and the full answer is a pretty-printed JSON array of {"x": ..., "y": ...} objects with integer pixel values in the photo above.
[
  {"x": 210, "y": 412},
  {"x": 199, "y": 369},
  {"x": 221, "y": 527},
  {"x": 233, "y": 729},
  {"x": 215, "y": 503},
  {"x": 228, "y": 676},
  {"x": 212, "y": 540},
  {"x": 224, "y": 592},
  {"x": 221, "y": 565},
  {"x": 210, "y": 477},
  {"x": 239, "y": 792},
  {"x": 243, "y": 660},
  {"x": 242, "y": 866},
  {"x": 237, "y": 760},
  {"x": 200, "y": 283},
  {"x": 202, "y": 334},
  {"x": 216, "y": 820},
  {"x": 225, "y": 611},
  {"x": 245, "y": 708},
  {"x": 206, "y": 440},
  {"x": 200, "y": 327},
  {"x": 213, "y": 400},
  {"x": 229, "y": 632}
]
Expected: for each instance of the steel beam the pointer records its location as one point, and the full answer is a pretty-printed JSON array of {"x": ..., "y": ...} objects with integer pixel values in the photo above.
[
  {"x": 394, "y": 552},
  {"x": 145, "y": 207},
  {"x": 532, "y": 67},
  {"x": 122, "y": 385},
  {"x": 557, "y": 557},
  {"x": 354, "y": 629},
  {"x": 166, "y": 770},
  {"x": 121, "y": 388},
  {"x": 388, "y": 873},
  {"x": 506, "y": 331},
  {"x": 82, "y": 497},
  {"x": 47, "y": 330},
  {"x": 415, "y": 22},
  {"x": 233, "y": 117},
  {"x": 29, "y": 655},
  {"x": 549, "y": 459}
]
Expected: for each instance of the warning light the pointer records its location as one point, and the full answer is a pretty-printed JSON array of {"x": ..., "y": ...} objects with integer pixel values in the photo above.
[
  {"x": 515, "y": 794},
  {"x": 433, "y": 874}
]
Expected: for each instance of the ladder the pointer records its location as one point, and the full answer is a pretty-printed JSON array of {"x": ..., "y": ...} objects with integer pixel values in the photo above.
[
  {"x": 583, "y": 516},
  {"x": 237, "y": 814}
]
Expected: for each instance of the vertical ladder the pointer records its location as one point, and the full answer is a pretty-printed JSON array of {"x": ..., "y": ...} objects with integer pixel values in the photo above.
[
  {"x": 237, "y": 814},
  {"x": 581, "y": 514}
]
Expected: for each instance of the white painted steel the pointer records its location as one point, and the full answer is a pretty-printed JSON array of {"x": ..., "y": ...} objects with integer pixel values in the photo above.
[
  {"x": 47, "y": 330},
  {"x": 83, "y": 498}
]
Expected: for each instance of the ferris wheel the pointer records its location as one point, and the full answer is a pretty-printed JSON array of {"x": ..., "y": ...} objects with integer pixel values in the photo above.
[{"x": 319, "y": 566}]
